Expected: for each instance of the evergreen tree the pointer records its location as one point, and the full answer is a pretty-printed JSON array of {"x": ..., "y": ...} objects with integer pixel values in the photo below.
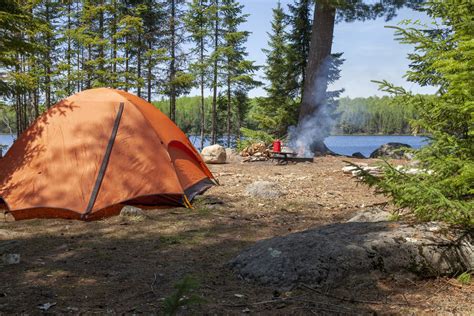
[
  {"x": 199, "y": 24},
  {"x": 443, "y": 58},
  {"x": 277, "y": 111},
  {"x": 15, "y": 21},
  {"x": 216, "y": 60},
  {"x": 238, "y": 71},
  {"x": 299, "y": 39},
  {"x": 179, "y": 81}
]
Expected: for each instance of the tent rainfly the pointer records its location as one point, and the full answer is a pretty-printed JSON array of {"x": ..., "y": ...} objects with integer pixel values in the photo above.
[{"x": 96, "y": 151}]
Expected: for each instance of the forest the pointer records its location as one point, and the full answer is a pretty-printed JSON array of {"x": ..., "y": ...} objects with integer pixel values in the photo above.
[{"x": 161, "y": 50}]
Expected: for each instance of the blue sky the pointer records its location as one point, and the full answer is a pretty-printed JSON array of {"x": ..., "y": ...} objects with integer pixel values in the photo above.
[{"x": 369, "y": 49}]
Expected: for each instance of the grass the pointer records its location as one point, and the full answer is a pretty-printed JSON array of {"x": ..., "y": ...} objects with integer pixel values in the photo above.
[{"x": 464, "y": 278}]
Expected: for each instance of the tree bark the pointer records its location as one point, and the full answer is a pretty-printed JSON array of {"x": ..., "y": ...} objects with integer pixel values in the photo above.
[
  {"x": 173, "y": 62},
  {"x": 202, "y": 93},
  {"x": 149, "y": 70},
  {"x": 317, "y": 71},
  {"x": 126, "y": 62},
  {"x": 229, "y": 108},
  {"x": 68, "y": 54},
  {"x": 214, "y": 80},
  {"x": 114, "y": 45},
  {"x": 139, "y": 65},
  {"x": 48, "y": 61}
]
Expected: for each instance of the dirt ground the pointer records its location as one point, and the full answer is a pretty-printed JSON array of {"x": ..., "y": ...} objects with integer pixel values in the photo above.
[{"x": 130, "y": 264}]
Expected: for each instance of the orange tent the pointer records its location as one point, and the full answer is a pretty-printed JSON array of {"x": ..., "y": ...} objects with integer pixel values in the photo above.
[{"x": 96, "y": 151}]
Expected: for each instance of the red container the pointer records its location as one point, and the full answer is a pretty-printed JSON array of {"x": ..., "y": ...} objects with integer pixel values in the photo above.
[{"x": 277, "y": 146}]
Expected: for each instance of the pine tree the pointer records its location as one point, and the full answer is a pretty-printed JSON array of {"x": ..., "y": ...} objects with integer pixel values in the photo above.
[
  {"x": 179, "y": 81},
  {"x": 199, "y": 24},
  {"x": 238, "y": 71},
  {"x": 299, "y": 38},
  {"x": 15, "y": 21},
  {"x": 216, "y": 60},
  {"x": 277, "y": 111},
  {"x": 444, "y": 190}
]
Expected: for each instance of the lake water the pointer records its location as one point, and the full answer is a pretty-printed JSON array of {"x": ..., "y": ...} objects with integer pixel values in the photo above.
[
  {"x": 348, "y": 144},
  {"x": 344, "y": 145}
]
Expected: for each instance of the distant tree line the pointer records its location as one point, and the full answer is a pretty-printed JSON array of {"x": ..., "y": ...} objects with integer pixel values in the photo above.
[{"x": 374, "y": 115}]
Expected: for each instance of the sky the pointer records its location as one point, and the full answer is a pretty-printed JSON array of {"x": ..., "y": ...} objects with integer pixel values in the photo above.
[{"x": 370, "y": 51}]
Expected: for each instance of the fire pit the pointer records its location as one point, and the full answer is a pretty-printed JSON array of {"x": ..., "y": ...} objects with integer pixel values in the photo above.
[{"x": 283, "y": 158}]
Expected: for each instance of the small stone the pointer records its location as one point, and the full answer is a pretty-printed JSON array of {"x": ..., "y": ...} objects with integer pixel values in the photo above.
[
  {"x": 131, "y": 211},
  {"x": 11, "y": 258}
]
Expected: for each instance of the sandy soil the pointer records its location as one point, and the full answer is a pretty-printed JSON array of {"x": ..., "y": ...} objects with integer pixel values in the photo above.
[{"x": 128, "y": 265}]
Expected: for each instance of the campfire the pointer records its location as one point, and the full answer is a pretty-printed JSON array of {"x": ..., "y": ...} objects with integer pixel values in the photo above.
[{"x": 277, "y": 152}]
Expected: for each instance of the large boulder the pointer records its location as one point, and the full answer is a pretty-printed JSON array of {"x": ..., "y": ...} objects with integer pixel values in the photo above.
[
  {"x": 392, "y": 150},
  {"x": 347, "y": 254},
  {"x": 214, "y": 154}
]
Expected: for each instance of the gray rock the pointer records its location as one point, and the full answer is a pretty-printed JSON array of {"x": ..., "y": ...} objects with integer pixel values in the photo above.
[
  {"x": 131, "y": 211},
  {"x": 264, "y": 189},
  {"x": 358, "y": 155},
  {"x": 10, "y": 258},
  {"x": 214, "y": 154},
  {"x": 346, "y": 254},
  {"x": 232, "y": 155},
  {"x": 392, "y": 150},
  {"x": 371, "y": 215}
]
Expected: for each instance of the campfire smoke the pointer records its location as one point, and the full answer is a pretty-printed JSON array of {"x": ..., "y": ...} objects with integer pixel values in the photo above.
[{"x": 307, "y": 139}]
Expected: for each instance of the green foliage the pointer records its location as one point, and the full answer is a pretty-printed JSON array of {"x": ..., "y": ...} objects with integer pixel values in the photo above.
[
  {"x": 464, "y": 278},
  {"x": 374, "y": 115},
  {"x": 278, "y": 110},
  {"x": 182, "y": 296},
  {"x": 299, "y": 37},
  {"x": 443, "y": 57},
  {"x": 252, "y": 136},
  {"x": 188, "y": 112}
]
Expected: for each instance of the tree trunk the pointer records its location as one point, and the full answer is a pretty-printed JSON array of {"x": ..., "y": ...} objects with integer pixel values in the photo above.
[
  {"x": 114, "y": 45},
  {"x": 139, "y": 65},
  {"x": 173, "y": 63},
  {"x": 102, "y": 78},
  {"x": 48, "y": 61},
  {"x": 149, "y": 70},
  {"x": 312, "y": 117},
  {"x": 214, "y": 80},
  {"x": 202, "y": 94},
  {"x": 69, "y": 90},
  {"x": 229, "y": 108},
  {"x": 89, "y": 71},
  {"x": 126, "y": 62}
]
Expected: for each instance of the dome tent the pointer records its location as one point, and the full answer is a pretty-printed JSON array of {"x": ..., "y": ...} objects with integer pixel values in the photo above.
[{"x": 96, "y": 151}]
